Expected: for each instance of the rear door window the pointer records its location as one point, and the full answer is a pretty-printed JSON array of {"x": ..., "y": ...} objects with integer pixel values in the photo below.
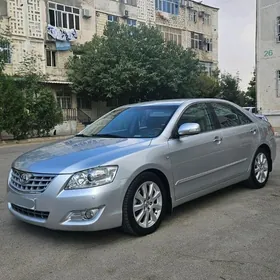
[{"x": 229, "y": 116}]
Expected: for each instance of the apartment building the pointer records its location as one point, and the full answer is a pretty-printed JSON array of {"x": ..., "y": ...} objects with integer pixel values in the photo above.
[
  {"x": 268, "y": 60},
  {"x": 190, "y": 24},
  {"x": 48, "y": 29},
  {"x": 187, "y": 23}
]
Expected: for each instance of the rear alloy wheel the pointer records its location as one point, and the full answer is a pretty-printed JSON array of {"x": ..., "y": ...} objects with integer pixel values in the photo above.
[
  {"x": 260, "y": 170},
  {"x": 144, "y": 205}
]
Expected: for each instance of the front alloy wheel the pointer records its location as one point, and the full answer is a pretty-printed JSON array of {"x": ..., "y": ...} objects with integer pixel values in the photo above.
[
  {"x": 144, "y": 204},
  {"x": 147, "y": 204}
]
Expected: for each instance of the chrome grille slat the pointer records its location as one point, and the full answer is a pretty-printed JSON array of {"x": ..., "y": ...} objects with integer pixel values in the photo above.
[
  {"x": 37, "y": 183},
  {"x": 31, "y": 213}
]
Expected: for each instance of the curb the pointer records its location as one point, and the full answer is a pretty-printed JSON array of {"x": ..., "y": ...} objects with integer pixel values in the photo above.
[{"x": 33, "y": 140}]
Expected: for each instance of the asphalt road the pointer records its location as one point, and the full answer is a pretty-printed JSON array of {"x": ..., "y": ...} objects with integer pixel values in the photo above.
[{"x": 231, "y": 234}]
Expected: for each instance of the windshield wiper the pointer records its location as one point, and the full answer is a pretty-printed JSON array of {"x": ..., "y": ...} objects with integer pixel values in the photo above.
[{"x": 106, "y": 135}]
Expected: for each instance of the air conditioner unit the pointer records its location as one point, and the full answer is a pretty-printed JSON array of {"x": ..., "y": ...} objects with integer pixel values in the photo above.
[
  {"x": 86, "y": 13},
  {"x": 125, "y": 14},
  {"x": 190, "y": 4},
  {"x": 201, "y": 14}
]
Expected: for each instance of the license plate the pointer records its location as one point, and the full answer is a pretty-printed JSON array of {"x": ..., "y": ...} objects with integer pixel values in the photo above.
[{"x": 21, "y": 201}]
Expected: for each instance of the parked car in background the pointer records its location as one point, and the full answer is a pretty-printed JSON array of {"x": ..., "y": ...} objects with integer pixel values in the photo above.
[
  {"x": 254, "y": 111},
  {"x": 132, "y": 166}
]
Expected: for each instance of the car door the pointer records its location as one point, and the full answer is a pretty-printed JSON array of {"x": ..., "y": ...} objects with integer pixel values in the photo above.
[
  {"x": 195, "y": 158},
  {"x": 239, "y": 139}
]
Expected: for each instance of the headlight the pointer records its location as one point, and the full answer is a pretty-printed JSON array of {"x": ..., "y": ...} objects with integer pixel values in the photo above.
[{"x": 92, "y": 178}]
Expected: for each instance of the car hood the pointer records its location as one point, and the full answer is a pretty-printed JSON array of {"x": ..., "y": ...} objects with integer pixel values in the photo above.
[{"x": 77, "y": 154}]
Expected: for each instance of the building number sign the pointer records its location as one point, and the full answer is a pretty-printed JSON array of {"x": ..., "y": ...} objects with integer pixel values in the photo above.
[{"x": 268, "y": 53}]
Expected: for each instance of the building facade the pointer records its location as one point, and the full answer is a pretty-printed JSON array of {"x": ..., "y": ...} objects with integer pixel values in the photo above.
[
  {"x": 47, "y": 30},
  {"x": 268, "y": 60}
]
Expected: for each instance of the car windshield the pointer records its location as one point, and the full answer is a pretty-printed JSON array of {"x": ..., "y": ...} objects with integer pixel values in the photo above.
[{"x": 131, "y": 122}]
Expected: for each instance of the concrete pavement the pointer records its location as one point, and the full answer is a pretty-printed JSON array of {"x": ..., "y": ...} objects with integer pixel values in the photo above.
[{"x": 233, "y": 234}]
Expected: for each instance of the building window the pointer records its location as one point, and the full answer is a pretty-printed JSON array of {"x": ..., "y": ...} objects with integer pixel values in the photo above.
[
  {"x": 193, "y": 15},
  {"x": 131, "y": 22},
  {"x": 112, "y": 18},
  {"x": 278, "y": 83},
  {"x": 64, "y": 16},
  {"x": 129, "y": 2},
  {"x": 171, "y": 34},
  {"x": 278, "y": 30},
  {"x": 207, "y": 67},
  {"x": 208, "y": 44},
  {"x": 168, "y": 6},
  {"x": 196, "y": 41},
  {"x": 51, "y": 58},
  {"x": 5, "y": 52},
  {"x": 206, "y": 19},
  {"x": 64, "y": 100}
]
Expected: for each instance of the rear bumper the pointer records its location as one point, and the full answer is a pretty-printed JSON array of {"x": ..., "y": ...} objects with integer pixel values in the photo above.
[{"x": 64, "y": 210}]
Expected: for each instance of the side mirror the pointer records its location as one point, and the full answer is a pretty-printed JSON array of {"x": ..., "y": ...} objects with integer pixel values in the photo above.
[{"x": 189, "y": 129}]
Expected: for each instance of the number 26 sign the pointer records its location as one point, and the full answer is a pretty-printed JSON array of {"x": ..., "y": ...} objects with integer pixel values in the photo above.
[{"x": 268, "y": 53}]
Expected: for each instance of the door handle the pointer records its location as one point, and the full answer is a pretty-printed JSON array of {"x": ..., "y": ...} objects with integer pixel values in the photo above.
[
  {"x": 218, "y": 140},
  {"x": 254, "y": 130}
]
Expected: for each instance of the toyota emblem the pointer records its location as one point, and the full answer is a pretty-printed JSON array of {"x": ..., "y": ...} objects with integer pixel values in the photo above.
[{"x": 24, "y": 178}]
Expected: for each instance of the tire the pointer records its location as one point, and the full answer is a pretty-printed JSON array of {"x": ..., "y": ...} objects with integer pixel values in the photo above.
[
  {"x": 256, "y": 181},
  {"x": 150, "y": 213}
]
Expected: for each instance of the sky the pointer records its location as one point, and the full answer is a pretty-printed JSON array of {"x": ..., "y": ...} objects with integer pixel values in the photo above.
[{"x": 236, "y": 37}]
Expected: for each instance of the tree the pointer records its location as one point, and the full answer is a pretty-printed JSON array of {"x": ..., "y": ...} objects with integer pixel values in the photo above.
[
  {"x": 3, "y": 52},
  {"x": 13, "y": 115},
  {"x": 132, "y": 64},
  {"x": 207, "y": 86},
  {"x": 26, "y": 106},
  {"x": 251, "y": 98},
  {"x": 230, "y": 91}
]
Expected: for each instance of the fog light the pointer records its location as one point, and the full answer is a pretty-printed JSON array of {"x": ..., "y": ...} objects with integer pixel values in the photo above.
[{"x": 89, "y": 214}]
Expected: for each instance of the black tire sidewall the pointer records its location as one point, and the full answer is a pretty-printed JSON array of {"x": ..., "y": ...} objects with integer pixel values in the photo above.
[
  {"x": 253, "y": 178},
  {"x": 142, "y": 178}
]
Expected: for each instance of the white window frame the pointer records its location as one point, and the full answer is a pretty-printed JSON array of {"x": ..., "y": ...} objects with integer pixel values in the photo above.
[
  {"x": 206, "y": 19},
  {"x": 64, "y": 100},
  {"x": 168, "y": 6},
  {"x": 208, "y": 44},
  {"x": 131, "y": 22},
  {"x": 196, "y": 41},
  {"x": 5, "y": 50},
  {"x": 193, "y": 16},
  {"x": 129, "y": 2},
  {"x": 171, "y": 34},
  {"x": 208, "y": 67},
  {"x": 114, "y": 18},
  {"x": 278, "y": 83},
  {"x": 278, "y": 30},
  {"x": 50, "y": 4},
  {"x": 53, "y": 55}
]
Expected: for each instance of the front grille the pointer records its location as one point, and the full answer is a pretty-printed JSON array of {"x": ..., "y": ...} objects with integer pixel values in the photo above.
[
  {"x": 36, "y": 183},
  {"x": 30, "y": 212}
]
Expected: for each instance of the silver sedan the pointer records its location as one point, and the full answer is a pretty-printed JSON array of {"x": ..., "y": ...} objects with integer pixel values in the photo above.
[{"x": 135, "y": 164}]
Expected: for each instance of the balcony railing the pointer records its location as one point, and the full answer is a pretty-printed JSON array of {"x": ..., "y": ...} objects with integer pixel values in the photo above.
[
  {"x": 83, "y": 117},
  {"x": 69, "y": 114}
]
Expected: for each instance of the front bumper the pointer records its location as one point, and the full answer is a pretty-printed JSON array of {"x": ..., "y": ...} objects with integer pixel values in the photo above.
[{"x": 61, "y": 209}]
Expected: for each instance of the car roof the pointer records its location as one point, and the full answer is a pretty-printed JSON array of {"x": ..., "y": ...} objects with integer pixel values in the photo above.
[{"x": 178, "y": 102}]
